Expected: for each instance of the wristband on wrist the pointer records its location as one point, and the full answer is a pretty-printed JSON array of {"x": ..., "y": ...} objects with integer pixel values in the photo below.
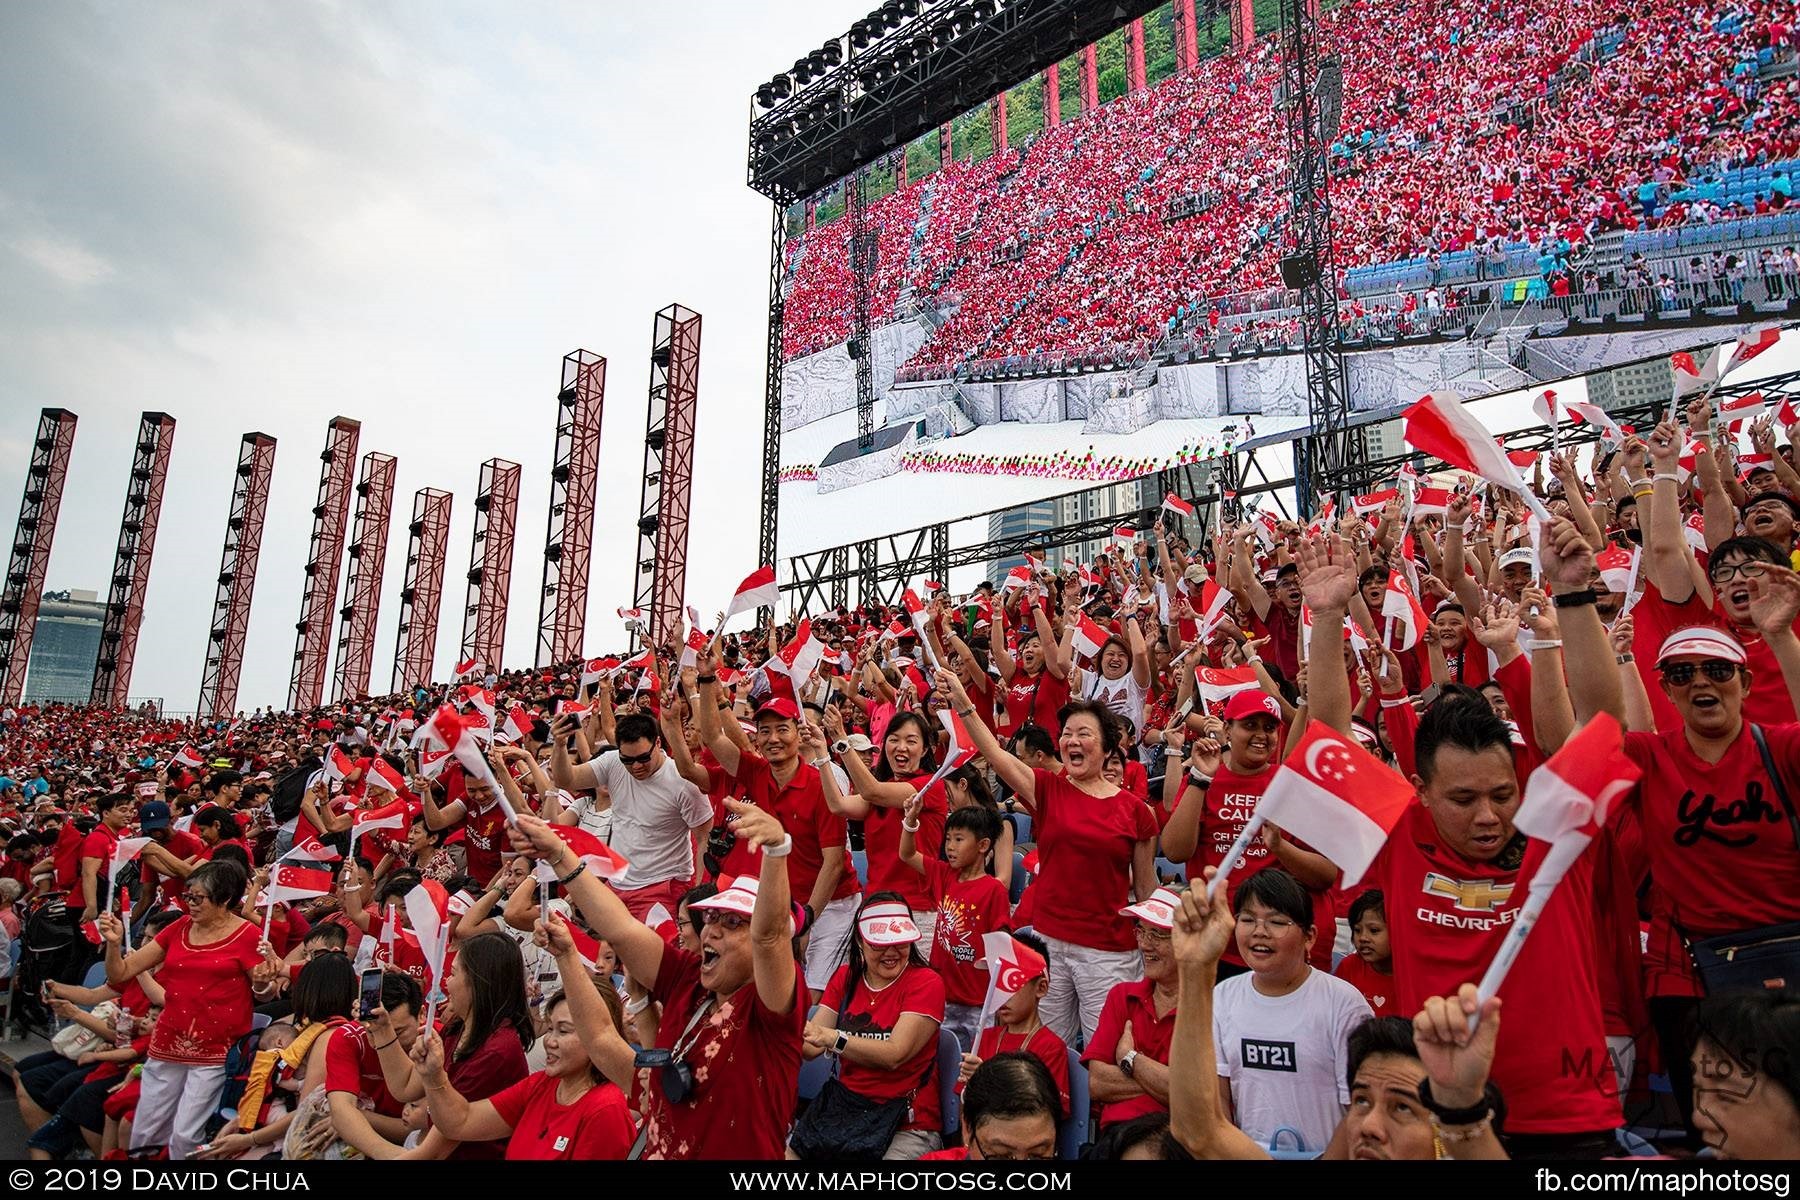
[
  {"x": 966, "y": 712},
  {"x": 1474, "y": 1114},
  {"x": 1622, "y": 659},
  {"x": 1198, "y": 780},
  {"x": 1544, "y": 644},
  {"x": 781, "y": 849},
  {"x": 706, "y": 679},
  {"x": 1579, "y": 599},
  {"x": 566, "y": 880},
  {"x": 909, "y": 826},
  {"x": 818, "y": 762},
  {"x": 1671, "y": 476}
]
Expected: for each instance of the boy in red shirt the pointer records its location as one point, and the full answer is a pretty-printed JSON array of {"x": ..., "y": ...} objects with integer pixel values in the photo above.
[
  {"x": 1371, "y": 968},
  {"x": 970, "y": 902},
  {"x": 1017, "y": 1028}
]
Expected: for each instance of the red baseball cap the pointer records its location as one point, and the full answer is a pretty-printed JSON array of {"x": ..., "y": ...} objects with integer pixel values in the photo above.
[
  {"x": 1251, "y": 703},
  {"x": 781, "y": 707}
]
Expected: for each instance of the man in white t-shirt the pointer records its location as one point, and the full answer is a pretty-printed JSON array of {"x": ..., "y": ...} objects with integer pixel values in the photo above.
[
  {"x": 1282, "y": 1030},
  {"x": 656, "y": 814}
]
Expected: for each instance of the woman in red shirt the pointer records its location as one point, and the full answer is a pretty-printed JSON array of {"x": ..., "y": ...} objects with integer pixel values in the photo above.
[
  {"x": 879, "y": 795},
  {"x": 565, "y": 1111},
  {"x": 1036, "y": 680},
  {"x": 207, "y": 961},
  {"x": 1097, "y": 844},
  {"x": 879, "y": 1017}
]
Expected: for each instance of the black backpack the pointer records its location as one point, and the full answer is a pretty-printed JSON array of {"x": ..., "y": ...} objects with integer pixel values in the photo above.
[{"x": 284, "y": 802}]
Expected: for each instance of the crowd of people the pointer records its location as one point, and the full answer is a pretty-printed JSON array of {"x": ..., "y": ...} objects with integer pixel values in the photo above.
[
  {"x": 931, "y": 881},
  {"x": 1487, "y": 126}
]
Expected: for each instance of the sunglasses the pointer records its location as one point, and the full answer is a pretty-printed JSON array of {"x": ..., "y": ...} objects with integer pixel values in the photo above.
[
  {"x": 1682, "y": 674},
  {"x": 730, "y": 920},
  {"x": 637, "y": 760}
]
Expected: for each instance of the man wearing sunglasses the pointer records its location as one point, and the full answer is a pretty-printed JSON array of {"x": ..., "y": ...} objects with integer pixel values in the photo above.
[{"x": 1714, "y": 806}]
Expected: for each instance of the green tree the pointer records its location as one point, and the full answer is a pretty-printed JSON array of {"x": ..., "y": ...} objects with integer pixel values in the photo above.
[
  {"x": 972, "y": 135},
  {"x": 1069, "y": 86},
  {"x": 1025, "y": 110}
]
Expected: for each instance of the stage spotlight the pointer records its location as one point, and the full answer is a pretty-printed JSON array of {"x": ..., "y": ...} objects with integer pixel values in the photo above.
[
  {"x": 833, "y": 52},
  {"x": 981, "y": 10},
  {"x": 782, "y": 86},
  {"x": 802, "y": 72},
  {"x": 816, "y": 60},
  {"x": 859, "y": 34},
  {"x": 765, "y": 96}
]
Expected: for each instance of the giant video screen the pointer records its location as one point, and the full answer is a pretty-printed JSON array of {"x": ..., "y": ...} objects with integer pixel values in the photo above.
[{"x": 1084, "y": 283}]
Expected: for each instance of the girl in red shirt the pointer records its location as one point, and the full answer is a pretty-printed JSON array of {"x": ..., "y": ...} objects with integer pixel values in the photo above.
[
  {"x": 207, "y": 961},
  {"x": 906, "y": 764},
  {"x": 565, "y": 1111}
]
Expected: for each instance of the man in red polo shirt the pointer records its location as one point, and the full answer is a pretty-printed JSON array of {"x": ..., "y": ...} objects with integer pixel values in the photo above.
[{"x": 777, "y": 781}]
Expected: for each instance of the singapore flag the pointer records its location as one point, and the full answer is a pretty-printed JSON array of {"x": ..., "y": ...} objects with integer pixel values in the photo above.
[{"x": 1338, "y": 797}]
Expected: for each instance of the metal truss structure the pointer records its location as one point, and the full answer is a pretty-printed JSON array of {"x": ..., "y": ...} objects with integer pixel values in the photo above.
[
  {"x": 574, "y": 480},
  {"x": 32, "y": 538},
  {"x": 237, "y": 576},
  {"x": 131, "y": 562},
  {"x": 769, "y": 517},
  {"x": 668, "y": 469},
  {"x": 490, "y": 563},
  {"x": 324, "y": 556},
  {"x": 422, "y": 591},
  {"x": 362, "y": 585}
]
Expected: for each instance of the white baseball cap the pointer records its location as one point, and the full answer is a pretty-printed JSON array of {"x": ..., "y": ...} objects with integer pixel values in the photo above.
[
  {"x": 1158, "y": 910},
  {"x": 1519, "y": 554}
]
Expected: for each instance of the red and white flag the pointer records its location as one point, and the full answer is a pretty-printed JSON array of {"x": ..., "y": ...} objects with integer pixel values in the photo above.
[
  {"x": 1596, "y": 416},
  {"x": 1738, "y": 411},
  {"x": 1439, "y": 424},
  {"x": 382, "y": 776},
  {"x": 959, "y": 753},
  {"x": 1268, "y": 529},
  {"x": 124, "y": 850},
  {"x": 515, "y": 727},
  {"x": 575, "y": 707},
  {"x": 469, "y": 666},
  {"x": 603, "y": 862},
  {"x": 339, "y": 766},
  {"x": 1753, "y": 343},
  {"x": 800, "y": 658},
  {"x": 917, "y": 612},
  {"x": 1691, "y": 376},
  {"x": 1431, "y": 502},
  {"x": 292, "y": 881},
  {"x": 1694, "y": 530},
  {"x": 1219, "y": 684},
  {"x": 1617, "y": 567},
  {"x": 596, "y": 669},
  {"x": 1125, "y": 535},
  {"x": 1547, "y": 409},
  {"x": 757, "y": 591},
  {"x": 1090, "y": 636},
  {"x": 1401, "y": 608},
  {"x": 1011, "y": 965},
  {"x": 454, "y": 733},
  {"x": 631, "y": 616},
  {"x": 392, "y": 815},
  {"x": 1338, "y": 798},
  {"x": 1374, "y": 501},
  {"x": 1788, "y": 413},
  {"x": 1214, "y": 600},
  {"x": 1567, "y": 803},
  {"x": 428, "y": 911},
  {"x": 1018, "y": 577},
  {"x": 1178, "y": 506},
  {"x": 697, "y": 644},
  {"x": 309, "y": 848},
  {"x": 188, "y": 757},
  {"x": 479, "y": 703},
  {"x": 1523, "y": 459}
]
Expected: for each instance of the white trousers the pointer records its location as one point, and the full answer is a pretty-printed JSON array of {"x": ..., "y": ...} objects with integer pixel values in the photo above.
[
  {"x": 1080, "y": 978},
  {"x": 174, "y": 1104},
  {"x": 826, "y": 943}
]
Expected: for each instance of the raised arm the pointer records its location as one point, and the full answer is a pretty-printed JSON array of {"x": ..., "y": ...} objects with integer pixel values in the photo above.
[
  {"x": 1003, "y": 662},
  {"x": 772, "y": 920},
  {"x": 1015, "y": 774},
  {"x": 122, "y": 968},
  {"x": 1667, "y": 558},
  {"x": 1593, "y": 680},
  {"x": 639, "y": 948},
  {"x": 706, "y": 713},
  {"x": 1327, "y": 581},
  {"x": 1774, "y": 606},
  {"x": 1196, "y": 1118},
  {"x": 606, "y": 1048},
  {"x": 1055, "y": 661}
]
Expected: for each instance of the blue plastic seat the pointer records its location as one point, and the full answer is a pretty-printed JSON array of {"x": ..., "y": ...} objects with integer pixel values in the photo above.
[
  {"x": 1073, "y": 1133},
  {"x": 1017, "y": 891},
  {"x": 860, "y": 859},
  {"x": 949, "y": 1069}
]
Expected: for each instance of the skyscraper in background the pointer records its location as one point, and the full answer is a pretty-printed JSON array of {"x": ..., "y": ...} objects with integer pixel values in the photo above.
[{"x": 64, "y": 648}]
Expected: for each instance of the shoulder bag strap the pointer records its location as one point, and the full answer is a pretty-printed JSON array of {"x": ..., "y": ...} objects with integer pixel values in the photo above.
[{"x": 1781, "y": 792}]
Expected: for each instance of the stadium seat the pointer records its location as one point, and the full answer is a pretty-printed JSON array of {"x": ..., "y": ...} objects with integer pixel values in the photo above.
[
  {"x": 1019, "y": 879},
  {"x": 1074, "y": 1132},
  {"x": 96, "y": 976},
  {"x": 949, "y": 1067},
  {"x": 860, "y": 858},
  {"x": 813, "y": 1074}
]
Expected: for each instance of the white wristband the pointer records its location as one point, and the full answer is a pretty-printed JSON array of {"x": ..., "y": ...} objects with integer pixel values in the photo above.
[
  {"x": 1668, "y": 475},
  {"x": 781, "y": 849},
  {"x": 909, "y": 826},
  {"x": 1544, "y": 644}
]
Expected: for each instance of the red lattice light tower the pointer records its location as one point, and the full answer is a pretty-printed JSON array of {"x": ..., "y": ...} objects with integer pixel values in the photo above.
[
  {"x": 324, "y": 555},
  {"x": 131, "y": 565},
  {"x": 490, "y": 563},
  {"x": 668, "y": 469},
  {"x": 568, "y": 544},
  {"x": 362, "y": 586},
  {"x": 422, "y": 593},
  {"x": 237, "y": 576},
  {"x": 31, "y": 546}
]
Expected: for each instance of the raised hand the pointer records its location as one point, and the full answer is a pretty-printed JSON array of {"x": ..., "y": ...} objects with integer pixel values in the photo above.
[
  {"x": 1205, "y": 755},
  {"x": 1203, "y": 930},
  {"x": 1699, "y": 413},
  {"x": 1774, "y": 599},
  {"x": 758, "y": 827},
  {"x": 1632, "y": 457},
  {"x": 1567, "y": 558},
  {"x": 1327, "y": 575},
  {"x": 1621, "y": 634},
  {"x": 812, "y": 741},
  {"x": 1496, "y": 625},
  {"x": 1665, "y": 447},
  {"x": 428, "y": 1056},
  {"x": 1539, "y": 615},
  {"x": 1457, "y": 1061}
]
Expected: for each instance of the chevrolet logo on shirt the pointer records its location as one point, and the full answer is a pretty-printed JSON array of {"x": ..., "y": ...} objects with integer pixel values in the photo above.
[{"x": 1469, "y": 895}]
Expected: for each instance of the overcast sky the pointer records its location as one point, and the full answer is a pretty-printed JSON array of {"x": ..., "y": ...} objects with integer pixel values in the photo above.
[{"x": 264, "y": 215}]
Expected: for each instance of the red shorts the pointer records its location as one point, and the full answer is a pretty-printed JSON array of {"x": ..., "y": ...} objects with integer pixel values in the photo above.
[
  {"x": 639, "y": 901},
  {"x": 123, "y": 1103}
]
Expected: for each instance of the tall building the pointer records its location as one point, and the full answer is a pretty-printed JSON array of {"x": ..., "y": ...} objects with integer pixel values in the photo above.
[
  {"x": 64, "y": 648},
  {"x": 1044, "y": 516},
  {"x": 1649, "y": 382},
  {"x": 1384, "y": 440}
]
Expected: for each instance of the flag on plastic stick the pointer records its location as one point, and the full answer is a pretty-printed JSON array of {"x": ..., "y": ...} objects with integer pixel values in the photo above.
[
  {"x": 1548, "y": 410},
  {"x": 1018, "y": 577},
  {"x": 1752, "y": 343},
  {"x": 1693, "y": 377},
  {"x": 1178, "y": 506},
  {"x": 392, "y": 815},
  {"x": 478, "y": 714},
  {"x": 1598, "y": 417},
  {"x": 338, "y": 765},
  {"x": 800, "y": 658},
  {"x": 920, "y": 616},
  {"x": 188, "y": 757},
  {"x": 1011, "y": 964},
  {"x": 1567, "y": 803},
  {"x": 1402, "y": 608},
  {"x": 596, "y": 669},
  {"x": 1431, "y": 502},
  {"x": 293, "y": 881},
  {"x": 1125, "y": 535},
  {"x": 469, "y": 666},
  {"x": 632, "y": 616},
  {"x": 426, "y": 907},
  {"x": 515, "y": 726},
  {"x": 1332, "y": 794},
  {"x": 1214, "y": 600},
  {"x": 1618, "y": 567},
  {"x": 1090, "y": 636},
  {"x": 124, "y": 850},
  {"x": 697, "y": 643},
  {"x": 603, "y": 862},
  {"x": 1439, "y": 424},
  {"x": 960, "y": 752},
  {"x": 759, "y": 590},
  {"x": 1219, "y": 684},
  {"x": 1373, "y": 502}
]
